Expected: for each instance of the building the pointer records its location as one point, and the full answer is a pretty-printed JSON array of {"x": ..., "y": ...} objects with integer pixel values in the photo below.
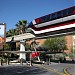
[{"x": 70, "y": 41}]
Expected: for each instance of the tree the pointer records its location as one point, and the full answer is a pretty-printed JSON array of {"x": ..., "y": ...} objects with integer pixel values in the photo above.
[
  {"x": 11, "y": 32},
  {"x": 57, "y": 44},
  {"x": 21, "y": 26}
]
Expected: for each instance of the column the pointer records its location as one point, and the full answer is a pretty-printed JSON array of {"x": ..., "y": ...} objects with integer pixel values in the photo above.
[{"x": 22, "y": 48}]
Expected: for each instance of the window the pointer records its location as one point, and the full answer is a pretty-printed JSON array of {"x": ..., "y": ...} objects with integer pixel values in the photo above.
[
  {"x": 71, "y": 11},
  {"x": 59, "y": 14},
  {"x": 64, "y": 12},
  {"x": 44, "y": 18},
  {"x": 53, "y": 16},
  {"x": 48, "y": 17}
]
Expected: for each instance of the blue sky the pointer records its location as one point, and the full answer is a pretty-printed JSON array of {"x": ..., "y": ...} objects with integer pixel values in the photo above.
[{"x": 11, "y": 11}]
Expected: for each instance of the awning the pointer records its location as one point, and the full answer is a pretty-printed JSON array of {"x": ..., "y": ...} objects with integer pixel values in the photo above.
[{"x": 20, "y": 37}]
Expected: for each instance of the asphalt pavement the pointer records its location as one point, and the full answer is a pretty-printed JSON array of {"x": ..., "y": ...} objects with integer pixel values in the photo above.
[{"x": 38, "y": 69}]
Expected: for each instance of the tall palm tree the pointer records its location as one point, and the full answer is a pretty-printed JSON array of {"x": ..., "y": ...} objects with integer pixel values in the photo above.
[
  {"x": 11, "y": 32},
  {"x": 8, "y": 33},
  {"x": 21, "y": 26}
]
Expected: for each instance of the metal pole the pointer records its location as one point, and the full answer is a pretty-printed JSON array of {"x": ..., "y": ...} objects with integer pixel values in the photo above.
[
  {"x": 30, "y": 60},
  {"x": 1, "y": 62},
  {"x": 21, "y": 61},
  {"x": 3, "y": 47},
  {"x": 7, "y": 61},
  {"x": 49, "y": 61}
]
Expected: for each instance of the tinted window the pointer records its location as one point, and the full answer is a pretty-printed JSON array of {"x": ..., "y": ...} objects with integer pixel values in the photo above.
[
  {"x": 71, "y": 11},
  {"x": 59, "y": 14},
  {"x": 43, "y": 18},
  {"x": 64, "y": 12},
  {"x": 53, "y": 16},
  {"x": 48, "y": 17}
]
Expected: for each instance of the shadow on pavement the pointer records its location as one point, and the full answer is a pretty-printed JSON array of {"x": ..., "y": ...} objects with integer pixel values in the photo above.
[{"x": 64, "y": 61}]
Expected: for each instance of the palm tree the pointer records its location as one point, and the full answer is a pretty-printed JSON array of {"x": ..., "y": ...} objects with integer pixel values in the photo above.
[
  {"x": 11, "y": 32},
  {"x": 8, "y": 33},
  {"x": 21, "y": 26}
]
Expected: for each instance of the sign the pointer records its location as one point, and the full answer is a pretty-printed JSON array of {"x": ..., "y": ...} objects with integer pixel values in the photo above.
[{"x": 2, "y": 34}]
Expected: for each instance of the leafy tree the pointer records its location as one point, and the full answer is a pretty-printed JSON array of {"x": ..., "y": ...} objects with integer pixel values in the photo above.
[{"x": 57, "y": 44}]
